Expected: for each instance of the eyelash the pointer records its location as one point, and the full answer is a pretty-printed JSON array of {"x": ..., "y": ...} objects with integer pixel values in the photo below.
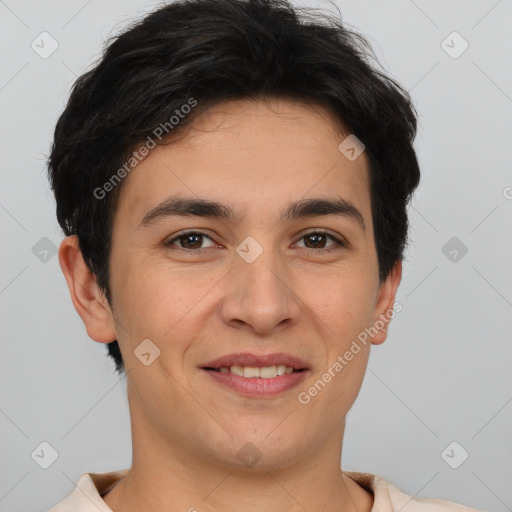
[{"x": 339, "y": 243}]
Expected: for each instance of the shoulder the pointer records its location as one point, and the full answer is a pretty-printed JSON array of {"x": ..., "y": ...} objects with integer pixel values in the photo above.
[
  {"x": 87, "y": 495},
  {"x": 388, "y": 498}
]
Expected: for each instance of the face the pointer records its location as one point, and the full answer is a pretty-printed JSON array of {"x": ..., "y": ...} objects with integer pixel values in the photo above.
[{"x": 267, "y": 278}]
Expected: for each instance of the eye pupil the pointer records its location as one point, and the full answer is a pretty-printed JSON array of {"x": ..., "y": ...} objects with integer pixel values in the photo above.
[
  {"x": 188, "y": 237},
  {"x": 317, "y": 237}
]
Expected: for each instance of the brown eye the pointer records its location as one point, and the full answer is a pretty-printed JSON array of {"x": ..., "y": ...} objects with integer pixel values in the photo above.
[
  {"x": 191, "y": 241},
  {"x": 318, "y": 240}
]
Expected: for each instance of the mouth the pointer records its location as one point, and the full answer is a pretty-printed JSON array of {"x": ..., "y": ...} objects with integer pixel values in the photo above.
[{"x": 257, "y": 375}]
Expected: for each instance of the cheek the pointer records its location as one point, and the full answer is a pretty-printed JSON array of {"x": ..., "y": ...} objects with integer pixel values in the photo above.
[
  {"x": 344, "y": 304},
  {"x": 144, "y": 300},
  {"x": 156, "y": 299}
]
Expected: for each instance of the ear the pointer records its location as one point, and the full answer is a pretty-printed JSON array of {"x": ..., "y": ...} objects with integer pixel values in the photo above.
[
  {"x": 90, "y": 303},
  {"x": 384, "y": 310}
]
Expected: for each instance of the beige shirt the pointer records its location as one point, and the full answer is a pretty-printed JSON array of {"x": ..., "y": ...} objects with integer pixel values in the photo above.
[{"x": 86, "y": 497}]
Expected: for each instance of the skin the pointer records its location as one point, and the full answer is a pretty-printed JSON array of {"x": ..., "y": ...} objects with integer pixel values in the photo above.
[{"x": 256, "y": 157}]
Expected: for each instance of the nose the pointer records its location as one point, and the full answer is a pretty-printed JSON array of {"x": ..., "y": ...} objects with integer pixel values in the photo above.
[{"x": 259, "y": 296}]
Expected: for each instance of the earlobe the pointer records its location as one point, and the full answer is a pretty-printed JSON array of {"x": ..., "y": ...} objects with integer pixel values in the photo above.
[
  {"x": 384, "y": 308},
  {"x": 90, "y": 303}
]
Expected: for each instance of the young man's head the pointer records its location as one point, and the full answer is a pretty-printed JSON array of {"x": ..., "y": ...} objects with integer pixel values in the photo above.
[{"x": 237, "y": 177}]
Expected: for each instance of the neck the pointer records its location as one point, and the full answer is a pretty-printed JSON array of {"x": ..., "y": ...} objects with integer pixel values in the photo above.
[{"x": 169, "y": 476}]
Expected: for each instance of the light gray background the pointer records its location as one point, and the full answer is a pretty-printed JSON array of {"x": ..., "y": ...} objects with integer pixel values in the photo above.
[{"x": 443, "y": 375}]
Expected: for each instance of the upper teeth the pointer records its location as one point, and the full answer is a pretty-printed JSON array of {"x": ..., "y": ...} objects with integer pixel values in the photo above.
[{"x": 266, "y": 372}]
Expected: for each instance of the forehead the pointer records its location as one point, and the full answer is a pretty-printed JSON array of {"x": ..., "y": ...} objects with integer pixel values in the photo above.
[{"x": 253, "y": 155}]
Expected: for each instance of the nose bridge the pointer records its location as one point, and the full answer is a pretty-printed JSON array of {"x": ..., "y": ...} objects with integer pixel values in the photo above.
[
  {"x": 259, "y": 295},
  {"x": 264, "y": 280}
]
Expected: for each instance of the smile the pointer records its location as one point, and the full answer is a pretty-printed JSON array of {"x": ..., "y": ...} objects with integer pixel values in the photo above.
[{"x": 257, "y": 382}]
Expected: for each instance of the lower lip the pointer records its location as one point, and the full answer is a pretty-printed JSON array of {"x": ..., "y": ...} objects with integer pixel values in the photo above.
[{"x": 258, "y": 387}]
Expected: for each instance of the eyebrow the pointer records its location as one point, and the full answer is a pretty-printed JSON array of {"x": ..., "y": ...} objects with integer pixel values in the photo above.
[{"x": 186, "y": 207}]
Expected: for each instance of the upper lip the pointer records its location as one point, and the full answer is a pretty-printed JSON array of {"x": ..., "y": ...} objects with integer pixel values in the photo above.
[{"x": 255, "y": 360}]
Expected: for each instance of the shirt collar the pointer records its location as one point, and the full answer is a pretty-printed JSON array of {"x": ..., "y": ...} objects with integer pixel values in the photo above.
[{"x": 87, "y": 495}]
